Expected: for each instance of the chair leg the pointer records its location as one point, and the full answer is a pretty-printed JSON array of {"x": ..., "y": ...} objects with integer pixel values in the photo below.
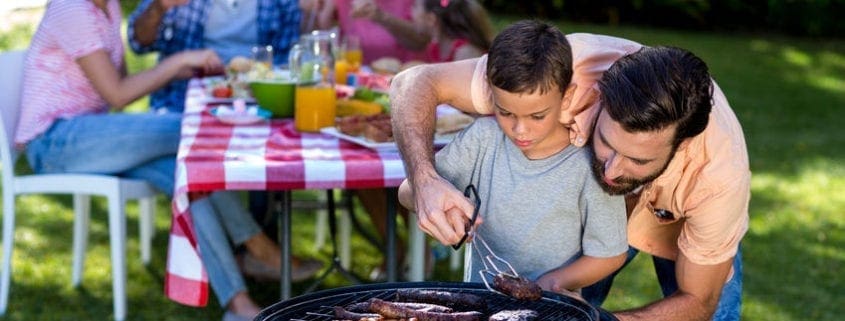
[
  {"x": 8, "y": 245},
  {"x": 345, "y": 236},
  {"x": 117, "y": 240},
  {"x": 146, "y": 221},
  {"x": 321, "y": 225},
  {"x": 81, "y": 219},
  {"x": 416, "y": 250}
]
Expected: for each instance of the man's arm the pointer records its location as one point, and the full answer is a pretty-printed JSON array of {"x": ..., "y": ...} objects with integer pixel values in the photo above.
[
  {"x": 414, "y": 96},
  {"x": 146, "y": 25},
  {"x": 699, "y": 288}
]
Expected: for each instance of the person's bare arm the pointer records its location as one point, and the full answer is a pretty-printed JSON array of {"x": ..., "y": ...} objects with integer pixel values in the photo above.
[
  {"x": 699, "y": 288},
  {"x": 146, "y": 26},
  {"x": 118, "y": 90},
  {"x": 406, "y": 33},
  {"x": 326, "y": 16},
  {"x": 414, "y": 96},
  {"x": 584, "y": 271}
]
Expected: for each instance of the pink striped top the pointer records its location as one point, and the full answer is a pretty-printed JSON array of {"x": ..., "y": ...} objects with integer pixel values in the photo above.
[{"x": 54, "y": 86}]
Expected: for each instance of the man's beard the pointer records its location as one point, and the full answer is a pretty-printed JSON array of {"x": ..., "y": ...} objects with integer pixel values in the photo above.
[{"x": 624, "y": 185}]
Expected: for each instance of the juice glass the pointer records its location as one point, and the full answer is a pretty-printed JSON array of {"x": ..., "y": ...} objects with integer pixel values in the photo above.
[
  {"x": 341, "y": 71},
  {"x": 314, "y": 108},
  {"x": 352, "y": 52}
]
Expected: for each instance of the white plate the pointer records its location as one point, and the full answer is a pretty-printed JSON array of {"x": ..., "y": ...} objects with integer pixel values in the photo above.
[
  {"x": 439, "y": 141},
  {"x": 228, "y": 115}
]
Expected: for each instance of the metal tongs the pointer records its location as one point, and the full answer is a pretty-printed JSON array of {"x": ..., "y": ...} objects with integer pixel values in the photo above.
[{"x": 493, "y": 264}]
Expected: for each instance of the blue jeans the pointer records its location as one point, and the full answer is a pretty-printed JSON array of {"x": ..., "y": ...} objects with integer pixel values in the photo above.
[
  {"x": 144, "y": 146},
  {"x": 730, "y": 301},
  {"x": 216, "y": 217},
  {"x": 139, "y": 146}
]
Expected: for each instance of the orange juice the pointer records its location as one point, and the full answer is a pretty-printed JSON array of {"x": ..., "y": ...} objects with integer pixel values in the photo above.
[
  {"x": 354, "y": 57},
  {"x": 341, "y": 69},
  {"x": 314, "y": 108}
]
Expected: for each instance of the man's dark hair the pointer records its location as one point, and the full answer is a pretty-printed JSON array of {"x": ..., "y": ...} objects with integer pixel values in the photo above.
[
  {"x": 657, "y": 87},
  {"x": 530, "y": 56}
]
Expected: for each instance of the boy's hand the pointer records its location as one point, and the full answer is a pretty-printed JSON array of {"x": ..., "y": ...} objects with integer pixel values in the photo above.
[
  {"x": 549, "y": 282},
  {"x": 442, "y": 211}
]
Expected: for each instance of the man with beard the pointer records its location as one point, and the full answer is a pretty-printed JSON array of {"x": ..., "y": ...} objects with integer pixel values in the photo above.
[{"x": 662, "y": 134}]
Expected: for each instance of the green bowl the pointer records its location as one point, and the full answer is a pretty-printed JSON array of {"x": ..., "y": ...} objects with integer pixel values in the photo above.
[{"x": 274, "y": 95}]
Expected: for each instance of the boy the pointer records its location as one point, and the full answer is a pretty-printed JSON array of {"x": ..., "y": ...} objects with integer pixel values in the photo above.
[{"x": 521, "y": 158}]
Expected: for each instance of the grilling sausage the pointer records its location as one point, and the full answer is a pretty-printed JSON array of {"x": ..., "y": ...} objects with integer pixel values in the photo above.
[
  {"x": 457, "y": 301},
  {"x": 342, "y": 314},
  {"x": 364, "y": 307},
  {"x": 517, "y": 287},
  {"x": 390, "y": 310}
]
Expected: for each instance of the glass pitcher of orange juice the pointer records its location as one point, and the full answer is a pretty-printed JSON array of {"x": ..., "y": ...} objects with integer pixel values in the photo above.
[{"x": 312, "y": 65}]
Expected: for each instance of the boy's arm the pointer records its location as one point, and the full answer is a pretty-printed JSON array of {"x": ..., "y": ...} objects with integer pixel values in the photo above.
[{"x": 585, "y": 271}]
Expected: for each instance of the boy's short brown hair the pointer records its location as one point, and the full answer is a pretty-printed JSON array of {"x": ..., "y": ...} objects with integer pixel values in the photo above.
[{"x": 528, "y": 56}]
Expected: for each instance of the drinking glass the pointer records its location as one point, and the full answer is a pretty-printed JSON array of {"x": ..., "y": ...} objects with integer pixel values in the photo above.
[
  {"x": 352, "y": 51},
  {"x": 263, "y": 59}
]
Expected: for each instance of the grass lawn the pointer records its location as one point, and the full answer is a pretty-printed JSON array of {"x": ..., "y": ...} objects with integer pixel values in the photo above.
[{"x": 788, "y": 93}]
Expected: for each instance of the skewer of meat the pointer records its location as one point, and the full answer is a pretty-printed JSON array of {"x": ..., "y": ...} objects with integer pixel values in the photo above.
[
  {"x": 457, "y": 301},
  {"x": 390, "y": 310}
]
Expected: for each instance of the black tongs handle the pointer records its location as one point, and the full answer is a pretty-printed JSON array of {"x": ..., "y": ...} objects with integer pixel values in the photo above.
[{"x": 471, "y": 193}]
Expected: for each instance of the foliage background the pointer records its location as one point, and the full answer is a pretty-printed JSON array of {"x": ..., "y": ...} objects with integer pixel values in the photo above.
[{"x": 796, "y": 17}]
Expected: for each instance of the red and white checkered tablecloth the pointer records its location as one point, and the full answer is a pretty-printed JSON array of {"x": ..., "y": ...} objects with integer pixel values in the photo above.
[{"x": 269, "y": 155}]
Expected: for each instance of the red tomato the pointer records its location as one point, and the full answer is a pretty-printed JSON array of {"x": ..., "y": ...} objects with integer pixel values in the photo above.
[{"x": 222, "y": 91}]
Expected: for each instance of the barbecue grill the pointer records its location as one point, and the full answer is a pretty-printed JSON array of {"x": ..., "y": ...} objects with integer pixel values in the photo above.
[{"x": 318, "y": 306}]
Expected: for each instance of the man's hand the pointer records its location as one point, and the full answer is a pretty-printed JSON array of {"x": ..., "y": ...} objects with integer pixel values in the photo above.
[{"x": 442, "y": 211}]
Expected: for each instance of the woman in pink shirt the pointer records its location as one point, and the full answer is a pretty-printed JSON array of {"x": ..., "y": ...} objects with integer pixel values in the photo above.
[
  {"x": 385, "y": 27},
  {"x": 460, "y": 29}
]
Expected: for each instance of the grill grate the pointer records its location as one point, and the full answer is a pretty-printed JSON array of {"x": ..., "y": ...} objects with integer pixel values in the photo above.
[{"x": 318, "y": 306}]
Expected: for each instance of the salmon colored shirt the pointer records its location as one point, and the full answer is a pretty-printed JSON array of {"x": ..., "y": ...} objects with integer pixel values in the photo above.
[{"x": 706, "y": 184}]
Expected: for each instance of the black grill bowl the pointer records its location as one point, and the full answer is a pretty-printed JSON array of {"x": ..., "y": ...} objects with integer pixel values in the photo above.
[{"x": 318, "y": 306}]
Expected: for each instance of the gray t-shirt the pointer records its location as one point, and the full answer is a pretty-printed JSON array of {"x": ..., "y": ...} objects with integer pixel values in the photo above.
[{"x": 538, "y": 214}]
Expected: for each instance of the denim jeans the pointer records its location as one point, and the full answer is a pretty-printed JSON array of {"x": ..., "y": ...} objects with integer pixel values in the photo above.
[
  {"x": 141, "y": 145},
  {"x": 216, "y": 217},
  {"x": 144, "y": 146},
  {"x": 729, "y": 302}
]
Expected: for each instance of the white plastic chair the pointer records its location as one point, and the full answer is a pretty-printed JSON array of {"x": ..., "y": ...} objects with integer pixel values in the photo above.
[{"x": 117, "y": 190}]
